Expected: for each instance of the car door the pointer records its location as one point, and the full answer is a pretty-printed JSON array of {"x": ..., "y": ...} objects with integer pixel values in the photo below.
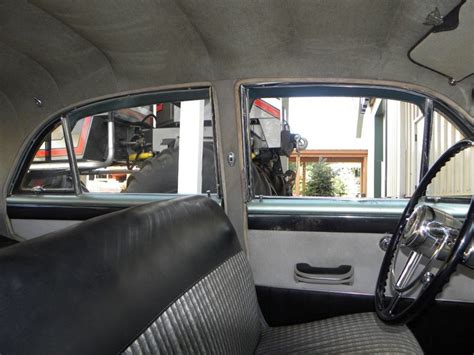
[
  {"x": 113, "y": 154},
  {"x": 315, "y": 257}
]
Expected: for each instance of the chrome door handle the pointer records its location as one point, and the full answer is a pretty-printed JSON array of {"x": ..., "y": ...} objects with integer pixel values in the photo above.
[{"x": 341, "y": 275}]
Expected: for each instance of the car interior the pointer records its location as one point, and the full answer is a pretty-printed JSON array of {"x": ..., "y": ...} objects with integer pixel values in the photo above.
[{"x": 236, "y": 177}]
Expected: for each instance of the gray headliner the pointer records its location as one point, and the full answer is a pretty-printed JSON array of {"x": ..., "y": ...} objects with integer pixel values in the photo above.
[{"x": 66, "y": 52}]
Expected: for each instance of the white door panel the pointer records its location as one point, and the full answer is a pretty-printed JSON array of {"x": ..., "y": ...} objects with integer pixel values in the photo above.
[
  {"x": 33, "y": 228},
  {"x": 274, "y": 254}
]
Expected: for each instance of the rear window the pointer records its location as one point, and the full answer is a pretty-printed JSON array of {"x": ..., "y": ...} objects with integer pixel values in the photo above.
[{"x": 162, "y": 147}]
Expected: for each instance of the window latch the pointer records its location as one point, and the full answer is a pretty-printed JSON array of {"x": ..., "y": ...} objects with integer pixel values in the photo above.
[{"x": 37, "y": 189}]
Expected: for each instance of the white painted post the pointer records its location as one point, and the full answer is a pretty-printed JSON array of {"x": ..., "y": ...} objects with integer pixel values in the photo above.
[{"x": 191, "y": 130}]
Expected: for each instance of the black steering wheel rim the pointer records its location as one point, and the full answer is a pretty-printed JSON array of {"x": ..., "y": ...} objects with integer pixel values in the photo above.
[{"x": 428, "y": 294}]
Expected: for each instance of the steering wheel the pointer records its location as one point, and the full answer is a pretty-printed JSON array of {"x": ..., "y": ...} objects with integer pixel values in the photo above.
[{"x": 432, "y": 242}]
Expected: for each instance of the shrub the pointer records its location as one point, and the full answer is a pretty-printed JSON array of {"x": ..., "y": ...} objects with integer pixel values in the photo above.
[{"x": 323, "y": 181}]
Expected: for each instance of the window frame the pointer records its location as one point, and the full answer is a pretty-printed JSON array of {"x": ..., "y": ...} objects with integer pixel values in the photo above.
[
  {"x": 68, "y": 118},
  {"x": 428, "y": 104}
]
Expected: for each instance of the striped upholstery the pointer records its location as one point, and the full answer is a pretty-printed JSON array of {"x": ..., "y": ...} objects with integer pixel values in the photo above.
[
  {"x": 218, "y": 315},
  {"x": 361, "y": 333}
]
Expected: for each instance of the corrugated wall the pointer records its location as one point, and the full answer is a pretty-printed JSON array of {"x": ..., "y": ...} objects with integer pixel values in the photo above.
[
  {"x": 403, "y": 143},
  {"x": 456, "y": 178},
  {"x": 404, "y": 129}
]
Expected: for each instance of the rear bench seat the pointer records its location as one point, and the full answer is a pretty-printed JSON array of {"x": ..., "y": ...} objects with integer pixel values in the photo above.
[{"x": 166, "y": 277}]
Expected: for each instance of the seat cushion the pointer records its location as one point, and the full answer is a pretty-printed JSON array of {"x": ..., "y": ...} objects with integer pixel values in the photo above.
[{"x": 355, "y": 333}]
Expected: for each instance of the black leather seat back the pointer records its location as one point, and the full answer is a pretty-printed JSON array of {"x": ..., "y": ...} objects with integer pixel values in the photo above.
[{"x": 95, "y": 287}]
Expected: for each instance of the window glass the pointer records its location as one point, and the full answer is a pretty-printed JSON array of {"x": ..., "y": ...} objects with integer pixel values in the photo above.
[
  {"x": 160, "y": 148},
  {"x": 456, "y": 178},
  {"x": 334, "y": 147}
]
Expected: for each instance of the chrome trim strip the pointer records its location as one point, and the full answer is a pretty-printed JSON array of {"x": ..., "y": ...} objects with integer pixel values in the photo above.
[
  {"x": 343, "y": 207},
  {"x": 72, "y": 163},
  {"x": 93, "y": 199}
]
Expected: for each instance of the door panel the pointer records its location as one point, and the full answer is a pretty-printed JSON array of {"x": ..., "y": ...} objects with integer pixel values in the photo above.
[
  {"x": 274, "y": 254},
  {"x": 32, "y": 215},
  {"x": 333, "y": 232},
  {"x": 287, "y": 235},
  {"x": 33, "y": 228}
]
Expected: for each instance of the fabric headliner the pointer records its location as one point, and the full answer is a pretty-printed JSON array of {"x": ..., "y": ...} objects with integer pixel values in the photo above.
[
  {"x": 65, "y": 52},
  {"x": 71, "y": 51}
]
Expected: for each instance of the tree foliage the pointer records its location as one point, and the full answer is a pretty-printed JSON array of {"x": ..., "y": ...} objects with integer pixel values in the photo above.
[
  {"x": 323, "y": 181},
  {"x": 340, "y": 188}
]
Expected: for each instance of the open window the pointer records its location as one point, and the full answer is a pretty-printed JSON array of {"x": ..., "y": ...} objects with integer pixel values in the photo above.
[
  {"x": 317, "y": 141},
  {"x": 160, "y": 143}
]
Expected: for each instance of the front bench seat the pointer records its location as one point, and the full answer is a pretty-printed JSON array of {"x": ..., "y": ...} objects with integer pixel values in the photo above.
[{"x": 168, "y": 278}]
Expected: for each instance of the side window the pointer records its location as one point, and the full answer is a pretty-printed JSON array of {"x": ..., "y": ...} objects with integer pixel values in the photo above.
[
  {"x": 50, "y": 170},
  {"x": 456, "y": 179},
  {"x": 334, "y": 147},
  {"x": 161, "y": 147}
]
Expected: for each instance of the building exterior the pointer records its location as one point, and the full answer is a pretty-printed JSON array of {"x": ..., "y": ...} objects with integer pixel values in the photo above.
[{"x": 394, "y": 131}]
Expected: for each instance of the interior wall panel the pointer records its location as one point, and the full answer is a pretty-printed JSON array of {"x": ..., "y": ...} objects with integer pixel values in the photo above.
[
  {"x": 229, "y": 140},
  {"x": 273, "y": 255}
]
